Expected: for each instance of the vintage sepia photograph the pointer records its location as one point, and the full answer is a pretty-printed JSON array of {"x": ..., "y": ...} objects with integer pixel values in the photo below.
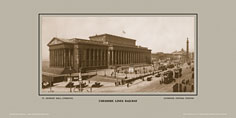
[{"x": 146, "y": 54}]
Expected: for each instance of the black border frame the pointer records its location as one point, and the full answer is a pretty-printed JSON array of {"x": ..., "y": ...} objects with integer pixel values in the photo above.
[{"x": 102, "y": 94}]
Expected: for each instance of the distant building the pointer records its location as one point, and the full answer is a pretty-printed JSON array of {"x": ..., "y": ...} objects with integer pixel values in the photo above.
[
  {"x": 101, "y": 51},
  {"x": 181, "y": 55}
]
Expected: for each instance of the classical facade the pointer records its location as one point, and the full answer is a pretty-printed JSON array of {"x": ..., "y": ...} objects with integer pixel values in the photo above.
[{"x": 101, "y": 51}]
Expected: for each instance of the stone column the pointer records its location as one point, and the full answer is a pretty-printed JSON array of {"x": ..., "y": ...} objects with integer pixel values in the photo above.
[
  {"x": 50, "y": 58},
  {"x": 143, "y": 57},
  {"x": 59, "y": 50},
  {"x": 128, "y": 57},
  {"x": 102, "y": 57},
  {"x": 99, "y": 57},
  {"x": 75, "y": 59},
  {"x": 134, "y": 57},
  {"x": 55, "y": 58},
  {"x": 117, "y": 53},
  {"x": 108, "y": 57},
  {"x": 94, "y": 64},
  {"x": 58, "y": 58},
  {"x": 131, "y": 57},
  {"x": 138, "y": 57},
  {"x": 87, "y": 58},
  {"x": 123, "y": 57},
  {"x": 69, "y": 58},
  {"x": 61, "y": 61},
  {"x": 101, "y": 54},
  {"x": 95, "y": 57},
  {"x": 62, "y": 56},
  {"x": 91, "y": 57},
  {"x": 119, "y": 57},
  {"x": 115, "y": 57},
  {"x": 112, "y": 57},
  {"x": 58, "y": 61},
  {"x": 51, "y": 61}
]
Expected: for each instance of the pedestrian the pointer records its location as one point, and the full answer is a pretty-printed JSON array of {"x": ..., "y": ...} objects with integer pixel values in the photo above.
[
  {"x": 185, "y": 88},
  {"x": 180, "y": 87},
  {"x": 192, "y": 87}
]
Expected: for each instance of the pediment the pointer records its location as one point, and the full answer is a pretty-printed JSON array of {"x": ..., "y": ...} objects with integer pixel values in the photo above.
[{"x": 55, "y": 41}]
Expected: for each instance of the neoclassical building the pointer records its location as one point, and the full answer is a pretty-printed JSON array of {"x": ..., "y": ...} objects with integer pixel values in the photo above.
[{"x": 101, "y": 51}]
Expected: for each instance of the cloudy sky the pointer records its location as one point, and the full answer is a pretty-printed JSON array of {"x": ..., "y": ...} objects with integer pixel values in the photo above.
[{"x": 160, "y": 34}]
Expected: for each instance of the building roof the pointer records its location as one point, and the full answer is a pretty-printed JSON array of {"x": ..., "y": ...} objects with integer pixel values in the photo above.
[
  {"x": 110, "y": 35},
  {"x": 56, "y": 40}
]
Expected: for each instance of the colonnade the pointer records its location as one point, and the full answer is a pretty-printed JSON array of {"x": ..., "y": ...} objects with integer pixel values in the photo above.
[
  {"x": 96, "y": 57},
  {"x": 61, "y": 57}
]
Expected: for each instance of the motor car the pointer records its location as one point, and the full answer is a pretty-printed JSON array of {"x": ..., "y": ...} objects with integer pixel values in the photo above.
[
  {"x": 162, "y": 68},
  {"x": 149, "y": 79},
  {"x": 97, "y": 84},
  {"x": 70, "y": 85},
  {"x": 83, "y": 85},
  {"x": 170, "y": 66},
  {"x": 158, "y": 75}
]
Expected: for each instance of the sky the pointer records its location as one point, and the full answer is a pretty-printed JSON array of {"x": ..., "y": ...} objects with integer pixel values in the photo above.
[{"x": 158, "y": 33}]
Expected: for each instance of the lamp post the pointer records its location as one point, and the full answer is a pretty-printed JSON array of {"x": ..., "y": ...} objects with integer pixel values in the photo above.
[
  {"x": 126, "y": 72},
  {"x": 105, "y": 73},
  {"x": 70, "y": 79},
  {"x": 153, "y": 69},
  {"x": 70, "y": 82},
  {"x": 51, "y": 84},
  {"x": 115, "y": 72},
  {"x": 80, "y": 79}
]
